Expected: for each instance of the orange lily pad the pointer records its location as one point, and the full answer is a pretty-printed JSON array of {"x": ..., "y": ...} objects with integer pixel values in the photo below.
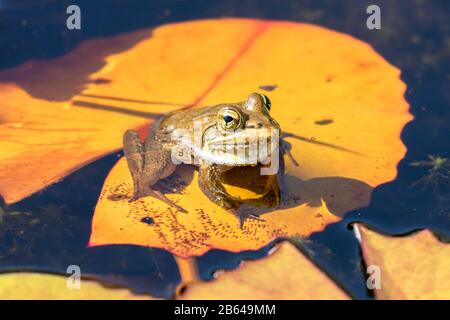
[
  {"x": 285, "y": 274},
  {"x": 49, "y": 127},
  {"x": 38, "y": 286},
  {"x": 342, "y": 100},
  {"x": 411, "y": 267}
]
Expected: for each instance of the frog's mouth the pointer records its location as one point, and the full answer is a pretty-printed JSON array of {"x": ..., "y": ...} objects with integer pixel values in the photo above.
[
  {"x": 252, "y": 147},
  {"x": 247, "y": 184}
]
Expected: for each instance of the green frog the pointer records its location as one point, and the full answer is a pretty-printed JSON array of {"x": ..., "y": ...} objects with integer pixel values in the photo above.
[{"x": 217, "y": 139}]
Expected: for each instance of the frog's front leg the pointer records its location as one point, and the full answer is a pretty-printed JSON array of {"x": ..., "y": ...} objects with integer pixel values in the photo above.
[
  {"x": 148, "y": 163},
  {"x": 209, "y": 180},
  {"x": 210, "y": 183}
]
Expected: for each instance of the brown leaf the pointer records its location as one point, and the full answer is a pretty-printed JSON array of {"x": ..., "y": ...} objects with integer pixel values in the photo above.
[
  {"x": 38, "y": 286},
  {"x": 320, "y": 74},
  {"x": 285, "y": 274},
  {"x": 411, "y": 267}
]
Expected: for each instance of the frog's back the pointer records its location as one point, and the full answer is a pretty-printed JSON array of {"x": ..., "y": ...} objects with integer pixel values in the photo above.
[{"x": 184, "y": 119}]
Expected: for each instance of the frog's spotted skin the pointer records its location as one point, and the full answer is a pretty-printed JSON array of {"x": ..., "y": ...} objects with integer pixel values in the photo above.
[{"x": 217, "y": 139}]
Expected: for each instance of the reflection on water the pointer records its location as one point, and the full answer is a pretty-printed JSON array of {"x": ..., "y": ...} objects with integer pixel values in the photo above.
[{"x": 50, "y": 230}]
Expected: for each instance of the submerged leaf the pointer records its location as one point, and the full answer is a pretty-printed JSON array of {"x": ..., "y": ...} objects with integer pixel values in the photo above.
[
  {"x": 38, "y": 286},
  {"x": 320, "y": 74},
  {"x": 285, "y": 274},
  {"x": 411, "y": 267}
]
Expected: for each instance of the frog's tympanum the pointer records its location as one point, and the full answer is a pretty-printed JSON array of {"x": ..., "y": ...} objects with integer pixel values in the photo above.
[{"x": 239, "y": 137}]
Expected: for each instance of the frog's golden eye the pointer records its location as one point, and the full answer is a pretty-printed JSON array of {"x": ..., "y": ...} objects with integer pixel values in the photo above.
[
  {"x": 229, "y": 118},
  {"x": 258, "y": 102},
  {"x": 266, "y": 102}
]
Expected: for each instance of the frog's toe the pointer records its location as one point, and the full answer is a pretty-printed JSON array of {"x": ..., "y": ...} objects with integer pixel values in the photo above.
[
  {"x": 136, "y": 196},
  {"x": 243, "y": 217},
  {"x": 226, "y": 202},
  {"x": 159, "y": 195},
  {"x": 147, "y": 191}
]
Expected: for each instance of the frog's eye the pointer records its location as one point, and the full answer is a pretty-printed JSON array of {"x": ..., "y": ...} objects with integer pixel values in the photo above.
[
  {"x": 257, "y": 101},
  {"x": 229, "y": 119},
  {"x": 266, "y": 102}
]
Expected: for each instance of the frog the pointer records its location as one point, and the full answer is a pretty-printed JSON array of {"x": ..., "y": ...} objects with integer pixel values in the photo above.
[{"x": 225, "y": 141}]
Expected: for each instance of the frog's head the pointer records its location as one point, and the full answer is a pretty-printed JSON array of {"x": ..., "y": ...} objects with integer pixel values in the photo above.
[{"x": 243, "y": 133}]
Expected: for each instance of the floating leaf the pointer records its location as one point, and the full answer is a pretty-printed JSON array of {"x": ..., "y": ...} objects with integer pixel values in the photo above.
[
  {"x": 37, "y": 286},
  {"x": 285, "y": 274},
  {"x": 320, "y": 74},
  {"x": 411, "y": 267},
  {"x": 58, "y": 115}
]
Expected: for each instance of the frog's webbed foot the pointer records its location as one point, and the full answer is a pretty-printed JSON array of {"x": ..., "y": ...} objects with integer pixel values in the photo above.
[
  {"x": 243, "y": 215},
  {"x": 139, "y": 191},
  {"x": 142, "y": 190},
  {"x": 136, "y": 196},
  {"x": 159, "y": 195},
  {"x": 223, "y": 200}
]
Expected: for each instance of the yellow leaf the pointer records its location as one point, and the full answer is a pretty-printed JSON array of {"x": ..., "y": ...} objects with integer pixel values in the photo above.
[
  {"x": 411, "y": 267},
  {"x": 285, "y": 274},
  {"x": 344, "y": 102},
  {"x": 37, "y": 286}
]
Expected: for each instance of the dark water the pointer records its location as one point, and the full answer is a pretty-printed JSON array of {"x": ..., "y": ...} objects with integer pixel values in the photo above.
[{"x": 50, "y": 230}]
